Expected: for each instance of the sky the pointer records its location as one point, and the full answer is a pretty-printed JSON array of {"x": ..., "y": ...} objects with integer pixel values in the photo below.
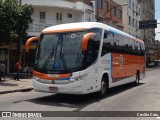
[{"x": 157, "y": 16}]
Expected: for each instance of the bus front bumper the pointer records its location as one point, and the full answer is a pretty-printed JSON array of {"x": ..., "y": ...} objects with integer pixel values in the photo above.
[{"x": 71, "y": 88}]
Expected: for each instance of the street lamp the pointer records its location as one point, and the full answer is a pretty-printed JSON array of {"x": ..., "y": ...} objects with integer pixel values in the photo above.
[{"x": 111, "y": 9}]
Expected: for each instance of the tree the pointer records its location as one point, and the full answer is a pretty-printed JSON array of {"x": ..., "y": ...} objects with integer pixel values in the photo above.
[{"x": 14, "y": 20}]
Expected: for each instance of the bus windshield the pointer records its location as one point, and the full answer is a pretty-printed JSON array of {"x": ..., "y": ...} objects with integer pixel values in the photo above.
[{"x": 59, "y": 51}]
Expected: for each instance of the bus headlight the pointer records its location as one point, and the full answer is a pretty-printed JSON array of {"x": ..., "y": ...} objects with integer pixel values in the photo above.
[{"x": 81, "y": 77}]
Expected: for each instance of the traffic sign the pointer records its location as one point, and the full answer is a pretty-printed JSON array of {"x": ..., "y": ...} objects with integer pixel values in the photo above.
[{"x": 147, "y": 24}]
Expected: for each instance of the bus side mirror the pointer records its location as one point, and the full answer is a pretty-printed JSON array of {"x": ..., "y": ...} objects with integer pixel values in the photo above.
[
  {"x": 27, "y": 46},
  {"x": 85, "y": 40}
]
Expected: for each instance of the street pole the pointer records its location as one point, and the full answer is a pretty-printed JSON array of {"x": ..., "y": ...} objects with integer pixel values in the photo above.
[
  {"x": 20, "y": 2},
  {"x": 19, "y": 42},
  {"x": 145, "y": 42},
  {"x": 97, "y": 10},
  {"x": 158, "y": 52}
]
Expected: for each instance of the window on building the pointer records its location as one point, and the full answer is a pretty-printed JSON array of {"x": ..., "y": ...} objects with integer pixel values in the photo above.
[
  {"x": 119, "y": 13},
  {"x": 106, "y": 6},
  {"x": 100, "y": 4},
  {"x": 130, "y": 20},
  {"x": 59, "y": 16},
  {"x": 136, "y": 24},
  {"x": 42, "y": 16},
  {"x": 139, "y": 11},
  {"x": 69, "y": 15},
  {"x": 114, "y": 10},
  {"x": 133, "y": 22},
  {"x": 136, "y": 8},
  {"x": 130, "y": 4}
]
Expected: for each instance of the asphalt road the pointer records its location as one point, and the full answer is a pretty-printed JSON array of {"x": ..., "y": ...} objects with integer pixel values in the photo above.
[{"x": 144, "y": 97}]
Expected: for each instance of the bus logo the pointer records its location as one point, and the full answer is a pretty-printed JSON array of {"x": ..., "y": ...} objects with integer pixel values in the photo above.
[{"x": 118, "y": 60}]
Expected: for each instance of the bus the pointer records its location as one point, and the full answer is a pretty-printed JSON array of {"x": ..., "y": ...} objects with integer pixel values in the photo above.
[{"x": 86, "y": 57}]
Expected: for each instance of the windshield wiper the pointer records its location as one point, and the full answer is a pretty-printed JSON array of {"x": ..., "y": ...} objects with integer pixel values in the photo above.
[
  {"x": 47, "y": 61},
  {"x": 64, "y": 61},
  {"x": 62, "y": 57}
]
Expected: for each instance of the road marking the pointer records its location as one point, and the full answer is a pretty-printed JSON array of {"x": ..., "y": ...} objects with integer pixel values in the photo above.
[{"x": 158, "y": 118}]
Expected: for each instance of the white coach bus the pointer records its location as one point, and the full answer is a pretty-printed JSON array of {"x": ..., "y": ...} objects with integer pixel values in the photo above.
[{"x": 86, "y": 57}]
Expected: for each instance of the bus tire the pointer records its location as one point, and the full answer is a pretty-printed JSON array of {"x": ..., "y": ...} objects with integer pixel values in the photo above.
[
  {"x": 137, "y": 78},
  {"x": 104, "y": 87}
]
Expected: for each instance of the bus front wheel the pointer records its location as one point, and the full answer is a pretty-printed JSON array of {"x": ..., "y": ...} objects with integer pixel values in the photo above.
[{"x": 104, "y": 88}]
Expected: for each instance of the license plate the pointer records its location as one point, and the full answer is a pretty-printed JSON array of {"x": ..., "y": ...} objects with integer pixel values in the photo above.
[
  {"x": 53, "y": 88},
  {"x": 53, "y": 75}
]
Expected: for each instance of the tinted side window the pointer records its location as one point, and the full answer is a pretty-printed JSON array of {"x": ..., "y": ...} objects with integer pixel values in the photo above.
[
  {"x": 133, "y": 48},
  {"x": 107, "y": 42},
  {"x": 142, "y": 49},
  {"x": 93, "y": 46},
  {"x": 125, "y": 46},
  {"x": 136, "y": 47},
  {"x": 119, "y": 44}
]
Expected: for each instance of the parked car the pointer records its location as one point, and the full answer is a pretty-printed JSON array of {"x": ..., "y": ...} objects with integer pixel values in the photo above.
[
  {"x": 157, "y": 63},
  {"x": 151, "y": 65}
]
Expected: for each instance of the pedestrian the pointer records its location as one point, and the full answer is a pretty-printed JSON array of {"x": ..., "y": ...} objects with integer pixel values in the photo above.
[
  {"x": 2, "y": 69},
  {"x": 18, "y": 68}
]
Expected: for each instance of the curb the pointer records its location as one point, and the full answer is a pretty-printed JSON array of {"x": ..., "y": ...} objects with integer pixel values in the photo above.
[
  {"x": 148, "y": 69},
  {"x": 18, "y": 90}
]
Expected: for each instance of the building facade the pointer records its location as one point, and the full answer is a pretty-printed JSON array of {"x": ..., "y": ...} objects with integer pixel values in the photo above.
[
  {"x": 131, "y": 16},
  {"x": 109, "y": 12},
  {"x": 140, "y": 10},
  {"x": 52, "y": 12},
  {"x": 148, "y": 13}
]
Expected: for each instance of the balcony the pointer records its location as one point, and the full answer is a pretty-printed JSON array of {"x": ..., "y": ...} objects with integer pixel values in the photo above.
[
  {"x": 48, "y": 3},
  {"x": 63, "y": 4},
  {"x": 36, "y": 27}
]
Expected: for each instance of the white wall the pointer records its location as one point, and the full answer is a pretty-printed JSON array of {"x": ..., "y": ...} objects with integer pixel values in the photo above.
[
  {"x": 79, "y": 10},
  {"x": 50, "y": 3}
]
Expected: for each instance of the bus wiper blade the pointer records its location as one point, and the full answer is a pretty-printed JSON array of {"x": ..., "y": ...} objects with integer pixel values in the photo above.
[
  {"x": 64, "y": 61},
  {"x": 62, "y": 57},
  {"x": 47, "y": 61}
]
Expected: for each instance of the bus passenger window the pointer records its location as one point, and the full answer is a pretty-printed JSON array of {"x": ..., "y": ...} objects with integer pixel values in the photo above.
[
  {"x": 136, "y": 47},
  {"x": 107, "y": 42}
]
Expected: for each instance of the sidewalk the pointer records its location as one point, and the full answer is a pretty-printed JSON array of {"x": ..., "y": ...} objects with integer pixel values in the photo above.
[{"x": 10, "y": 85}]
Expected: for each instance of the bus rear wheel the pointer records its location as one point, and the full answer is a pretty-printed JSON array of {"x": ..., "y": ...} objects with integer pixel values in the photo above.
[
  {"x": 104, "y": 88},
  {"x": 137, "y": 79}
]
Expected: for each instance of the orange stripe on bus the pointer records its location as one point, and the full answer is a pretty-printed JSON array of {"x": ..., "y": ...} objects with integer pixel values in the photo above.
[
  {"x": 64, "y": 30},
  {"x": 47, "y": 77}
]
